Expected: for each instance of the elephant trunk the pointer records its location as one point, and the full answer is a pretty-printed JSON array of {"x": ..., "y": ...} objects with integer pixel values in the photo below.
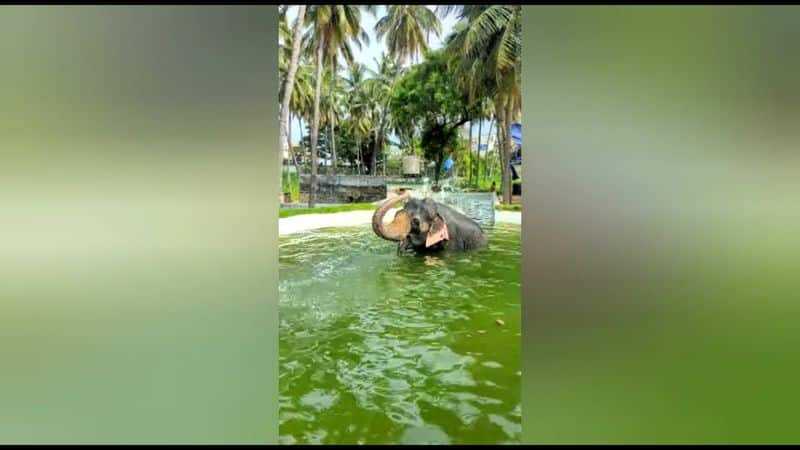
[{"x": 398, "y": 229}]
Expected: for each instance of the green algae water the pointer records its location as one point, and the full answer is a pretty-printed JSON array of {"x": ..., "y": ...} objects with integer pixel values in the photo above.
[{"x": 381, "y": 348}]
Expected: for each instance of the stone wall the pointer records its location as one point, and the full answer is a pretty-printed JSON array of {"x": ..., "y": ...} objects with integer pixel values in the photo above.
[{"x": 345, "y": 188}]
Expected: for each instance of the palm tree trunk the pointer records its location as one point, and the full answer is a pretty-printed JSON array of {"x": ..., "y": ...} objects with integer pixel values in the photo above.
[
  {"x": 288, "y": 86},
  {"x": 312, "y": 189},
  {"x": 378, "y": 145},
  {"x": 294, "y": 158},
  {"x": 507, "y": 155},
  {"x": 358, "y": 155},
  {"x": 333, "y": 115},
  {"x": 383, "y": 158},
  {"x": 478, "y": 153},
  {"x": 284, "y": 165},
  {"x": 469, "y": 178},
  {"x": 486, "y": 157},
  {"x": 503, "y": 125},
  {"x": 373, "y": 166}
]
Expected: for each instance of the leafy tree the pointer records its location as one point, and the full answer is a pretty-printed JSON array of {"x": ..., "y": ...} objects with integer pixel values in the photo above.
[
  {"x": 487, "y": 44},
  {"x": 427, "y": 101}
]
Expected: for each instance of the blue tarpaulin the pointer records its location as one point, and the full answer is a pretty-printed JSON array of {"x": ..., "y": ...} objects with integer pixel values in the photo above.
[{"x": 516, "y": 133}]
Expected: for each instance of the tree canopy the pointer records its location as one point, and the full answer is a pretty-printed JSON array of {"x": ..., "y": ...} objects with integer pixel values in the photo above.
[
  {"x": 474, "y": 76},
  {"x": 426, "y": 100}
]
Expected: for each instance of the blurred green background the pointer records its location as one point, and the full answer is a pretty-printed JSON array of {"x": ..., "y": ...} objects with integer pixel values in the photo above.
[
  {"x": 138, "y": 229},
  {"x": 138, "y": 224},
  {"x": 661, "y": 231}
]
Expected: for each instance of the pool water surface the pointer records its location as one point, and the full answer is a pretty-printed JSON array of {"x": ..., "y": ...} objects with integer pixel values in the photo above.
[{"x": 381, "y": 348}]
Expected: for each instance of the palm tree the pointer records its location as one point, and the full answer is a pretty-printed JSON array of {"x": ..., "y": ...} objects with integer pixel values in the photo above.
[
  {"x": 294, "y": 42},
  {"x": 336, "y": 104},
  {"x": 381, "y": 86},
  {"x": 489, "y": 49},
  {"x": 333, "y": 28},
  {"x": 407, "y": 28},
  {"x": 484, "y": 113},
  {"x": 300, "y": 103},
  {"x": 359, "y": 104}
]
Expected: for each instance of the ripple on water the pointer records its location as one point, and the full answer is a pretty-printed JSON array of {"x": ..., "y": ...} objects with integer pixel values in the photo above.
[
  {"x": 319, "y": 399},
  {"x": 391, "y": 344}
]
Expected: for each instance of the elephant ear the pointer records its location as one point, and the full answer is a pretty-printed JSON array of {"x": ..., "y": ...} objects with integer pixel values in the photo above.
[{"x": 437, "y": 232}]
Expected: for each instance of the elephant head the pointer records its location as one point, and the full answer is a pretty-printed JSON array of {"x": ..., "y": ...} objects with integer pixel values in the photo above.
[{"x": 419, "y": 222}]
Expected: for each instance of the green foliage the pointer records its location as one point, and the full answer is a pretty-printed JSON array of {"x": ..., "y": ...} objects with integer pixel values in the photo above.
[
  {"x": 437, "y": 141},
  {"x": 406, "y": 28},
  {"x": 514, "y": 207},
  {"x": 290, "y": 182},
  {"x": 426, "y": 95},
  {"x": 485, "y": 182},
  {"x": 394, "y": 162},
  {"x": 427, "y": 101},
  {"x": 413, "y": 146},
  {"x": 338, "y": 28},
  {"x": 323, "y": 147},
  {"x": 477, "y": 72},
  {"x": 487, "y": 45}
]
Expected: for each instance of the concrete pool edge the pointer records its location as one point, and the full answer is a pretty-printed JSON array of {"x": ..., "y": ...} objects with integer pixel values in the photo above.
[{"x": 305, "y": 222}]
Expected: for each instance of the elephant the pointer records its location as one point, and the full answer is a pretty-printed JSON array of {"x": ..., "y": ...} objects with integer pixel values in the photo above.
[{"x": 426, "y": 226}]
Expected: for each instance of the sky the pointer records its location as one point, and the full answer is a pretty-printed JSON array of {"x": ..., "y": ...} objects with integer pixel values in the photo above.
[{"x": 369, "y": 53}]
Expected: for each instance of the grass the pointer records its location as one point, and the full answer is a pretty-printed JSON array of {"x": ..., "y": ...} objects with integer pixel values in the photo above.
[
  {"x": 289, "y": 212},
  {"x": 514, "y": 207},
  {"x": 290, "y": 182}
]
